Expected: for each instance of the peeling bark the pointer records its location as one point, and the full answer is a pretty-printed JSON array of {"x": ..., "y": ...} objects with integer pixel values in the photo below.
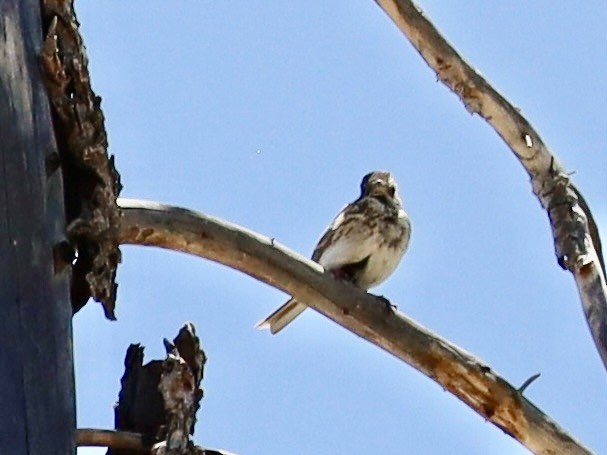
[{"x": 91, "y": 182}]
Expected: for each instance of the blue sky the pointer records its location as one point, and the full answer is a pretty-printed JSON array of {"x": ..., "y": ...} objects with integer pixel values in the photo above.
[{"x": 268, "y": 114}]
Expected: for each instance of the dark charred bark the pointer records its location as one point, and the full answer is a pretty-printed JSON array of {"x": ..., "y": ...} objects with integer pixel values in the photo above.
[{"x": 36, "y": 366}]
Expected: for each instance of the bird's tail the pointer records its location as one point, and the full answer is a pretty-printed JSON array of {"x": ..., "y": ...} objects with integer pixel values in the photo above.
[{"x": 282, "y": 317}]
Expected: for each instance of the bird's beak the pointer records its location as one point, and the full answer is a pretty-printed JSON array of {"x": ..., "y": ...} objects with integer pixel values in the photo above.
[{"x": 379, "y": 188}]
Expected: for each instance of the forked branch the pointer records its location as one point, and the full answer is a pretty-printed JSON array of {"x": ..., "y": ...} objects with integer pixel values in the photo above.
[
  {"x": 468, "y": 378},
  {"x": 576, "y": 240}
]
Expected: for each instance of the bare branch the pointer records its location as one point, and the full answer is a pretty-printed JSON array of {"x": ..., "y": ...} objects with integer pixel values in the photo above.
[
  {"x": 370, "y": 317},
  {"x": 124, "y": 440},
  {"x": 576, "y": 240}
]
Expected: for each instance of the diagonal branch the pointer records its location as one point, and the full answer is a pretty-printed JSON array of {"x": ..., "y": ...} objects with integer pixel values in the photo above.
[
  {"x": 576, "y": 240},
  {"x": 468, "y": 378}
]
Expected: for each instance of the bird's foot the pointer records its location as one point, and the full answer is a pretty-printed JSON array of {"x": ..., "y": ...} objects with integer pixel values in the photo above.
[
  {"x": 341, "y": 275},
  {"x": 389, "y": 305}
]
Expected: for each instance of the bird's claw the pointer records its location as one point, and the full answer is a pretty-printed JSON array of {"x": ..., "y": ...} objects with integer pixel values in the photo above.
[
  {"x": 341, "y": 275},
  {"x": 385, "y": 301}
]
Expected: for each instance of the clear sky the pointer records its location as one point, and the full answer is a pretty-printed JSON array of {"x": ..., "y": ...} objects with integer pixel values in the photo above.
[{"x": 268, "y": 114}]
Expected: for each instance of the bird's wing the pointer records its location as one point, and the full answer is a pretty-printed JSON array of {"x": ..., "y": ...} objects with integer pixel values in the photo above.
[{"x": 348, "y": 240}]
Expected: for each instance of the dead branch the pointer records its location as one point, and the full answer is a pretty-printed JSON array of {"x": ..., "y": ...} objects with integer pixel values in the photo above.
[
  {"x": 92, "y": 437},
  {"x": 576, "y": 240},
  {"x": 468, "y": 378},
  {"x": 118, "y": 440}
]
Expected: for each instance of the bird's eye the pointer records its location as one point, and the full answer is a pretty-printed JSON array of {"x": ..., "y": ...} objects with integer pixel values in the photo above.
[{"x": 391, "y": 191}]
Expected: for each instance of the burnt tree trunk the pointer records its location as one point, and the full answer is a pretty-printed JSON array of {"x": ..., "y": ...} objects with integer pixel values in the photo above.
[{"x": 36, "y": 365}]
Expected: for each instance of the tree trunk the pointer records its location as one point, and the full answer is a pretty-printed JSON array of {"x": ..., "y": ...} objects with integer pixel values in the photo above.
[{"x": 36, "y": 364}]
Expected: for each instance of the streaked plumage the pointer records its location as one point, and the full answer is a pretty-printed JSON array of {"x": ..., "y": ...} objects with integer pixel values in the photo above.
[{"x": 363, "y": 245}]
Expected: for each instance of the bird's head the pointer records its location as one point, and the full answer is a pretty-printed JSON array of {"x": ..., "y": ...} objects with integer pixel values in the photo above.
[{"x": 379, "y": 184}]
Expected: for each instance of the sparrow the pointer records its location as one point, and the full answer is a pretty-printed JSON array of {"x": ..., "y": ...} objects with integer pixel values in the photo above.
[{"x": 363, "y": 244}]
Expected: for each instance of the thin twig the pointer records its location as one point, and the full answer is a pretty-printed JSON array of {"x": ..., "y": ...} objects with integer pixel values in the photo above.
[
  {"x": 468, "y": 378},
  {"x": 528, "y": 382}
]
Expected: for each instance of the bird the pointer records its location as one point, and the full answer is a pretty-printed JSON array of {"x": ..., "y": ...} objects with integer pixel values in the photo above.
[{"x": 363, "y": 245}]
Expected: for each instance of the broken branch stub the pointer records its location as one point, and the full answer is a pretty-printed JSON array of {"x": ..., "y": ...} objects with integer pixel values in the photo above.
[{"x": 159, "y": 400}]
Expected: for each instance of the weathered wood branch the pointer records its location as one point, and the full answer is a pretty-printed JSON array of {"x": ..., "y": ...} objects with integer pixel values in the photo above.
[
  {"x": 468, "y": 378},
  {"x": 117, "y": 440},
  {"x": 124, "y": 440},
  {"x": 576, "y": 240}
]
